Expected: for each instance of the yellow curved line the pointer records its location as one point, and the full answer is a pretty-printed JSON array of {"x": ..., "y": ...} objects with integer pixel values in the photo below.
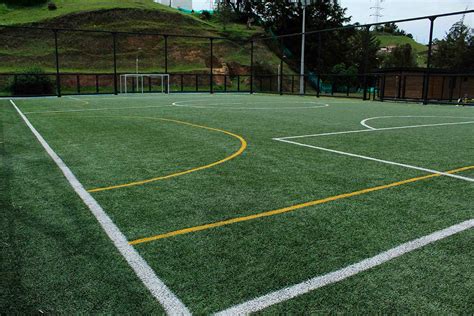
[
  {"x": 288, "y": 209},
  {"x": 243, "y": 146}
]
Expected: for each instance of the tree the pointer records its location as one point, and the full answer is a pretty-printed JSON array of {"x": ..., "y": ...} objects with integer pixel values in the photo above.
[
  {"x": 283, "y": 17},
  {"x": 225, "y": 13},
  {"x": 392, "y": 28},
  {"x": 456, "y": 50},
  {"x": 402, "y": 56},
  {"x": 336, "y": 47},
  {"x": 365, "y": 48},
  {"x": 343, "y": 77}
]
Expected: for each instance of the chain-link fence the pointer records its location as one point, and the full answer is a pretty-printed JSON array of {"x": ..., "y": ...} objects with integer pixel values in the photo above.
[{"x": 349, "y": 61}]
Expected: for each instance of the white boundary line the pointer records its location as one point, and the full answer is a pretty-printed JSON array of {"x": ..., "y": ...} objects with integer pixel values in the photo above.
[
  {"x": 373, "y": 130},
  {"x": 293, "y": 291},
  {"x": 158, "y": 289},
  {"x": 78, "y": 100},
  {"x": 222, "y": 106},
  {"x": 364, "y": 122},
  {"x": 101, "y": 109},
  {"x": 379, "y": 160}
]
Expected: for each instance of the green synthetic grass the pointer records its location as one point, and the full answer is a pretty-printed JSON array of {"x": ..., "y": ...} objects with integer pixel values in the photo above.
[
  {"x": 214, "y": 269},
  {"x": 55, "y": 257}
]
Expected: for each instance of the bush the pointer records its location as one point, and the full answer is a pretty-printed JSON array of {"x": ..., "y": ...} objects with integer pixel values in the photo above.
[
  {"x": 33, "y": 81},
  {"x": 52, "y": 6},
  {"x": 23, "y": 3},
  {"x": 205, "y": 15}
]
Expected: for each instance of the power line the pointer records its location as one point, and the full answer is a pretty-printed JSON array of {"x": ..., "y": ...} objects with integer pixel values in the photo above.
[{"x": 377, "y": 10}]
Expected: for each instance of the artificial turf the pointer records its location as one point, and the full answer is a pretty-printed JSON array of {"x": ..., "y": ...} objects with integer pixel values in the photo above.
[{"x": 121, "y": 139}]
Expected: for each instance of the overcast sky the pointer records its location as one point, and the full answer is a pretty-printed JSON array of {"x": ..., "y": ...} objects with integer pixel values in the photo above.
[{"x": 401, "y": 9}]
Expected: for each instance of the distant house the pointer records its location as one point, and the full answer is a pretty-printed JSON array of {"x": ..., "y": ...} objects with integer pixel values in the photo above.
[
  {"x": 388, "y": 49},
  {"x": 183, "y": 4}
]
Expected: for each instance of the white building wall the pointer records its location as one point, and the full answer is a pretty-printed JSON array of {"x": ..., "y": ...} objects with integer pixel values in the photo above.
[{"x": 184, "y": 4}]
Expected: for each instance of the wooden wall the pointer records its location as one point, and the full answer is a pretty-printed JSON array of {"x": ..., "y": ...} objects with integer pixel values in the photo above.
[{"x": 408, "y": 85}]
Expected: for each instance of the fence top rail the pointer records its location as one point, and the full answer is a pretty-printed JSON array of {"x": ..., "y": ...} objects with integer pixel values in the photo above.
[
  {"x": 381, "y": 73},
  {"x": 352, "y": 26},
  {"x": 54, "y": 29},
  {"x": 112, "y": 74}
]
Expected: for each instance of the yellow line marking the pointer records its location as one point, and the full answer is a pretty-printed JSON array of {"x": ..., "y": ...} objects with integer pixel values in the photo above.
[
  {"x": 243, "y": 146},
  {"x": 288, "y": 209}
]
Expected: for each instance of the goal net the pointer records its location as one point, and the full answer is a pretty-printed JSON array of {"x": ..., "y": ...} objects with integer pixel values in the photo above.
[{"x": 141, "y": 83}]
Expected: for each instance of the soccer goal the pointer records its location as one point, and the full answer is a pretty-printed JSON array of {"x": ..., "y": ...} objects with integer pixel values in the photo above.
[{"x": 138, "y": 82}]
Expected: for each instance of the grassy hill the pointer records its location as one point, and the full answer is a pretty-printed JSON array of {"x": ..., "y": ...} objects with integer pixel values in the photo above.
[
  {"x": 420, "y": 49},
  {"x": 40, "y": 13},
  {"x": 92, "y": 52}
]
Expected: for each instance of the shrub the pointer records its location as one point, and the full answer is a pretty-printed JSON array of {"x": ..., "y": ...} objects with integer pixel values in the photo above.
[
  {"x": 205, "y": 15},
  {"x": 32, "y": 81},
  {"x": 23, "y": 3},
  {"x": 52, "y": 6}
]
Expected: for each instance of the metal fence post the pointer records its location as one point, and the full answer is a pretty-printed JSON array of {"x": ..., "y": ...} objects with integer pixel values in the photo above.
[
  {"x": 281, "y": 77},
  {"x": 366, "y": 59},
  {"x": 426, "y": 81},
  {"x": 251, "y": 67},
  {"x": 399, "y": 84},
  {"x": 318, "y": 90},
  {"x": 114, "y": 36},
  {"x": 211, "y": 84},
  {"x": 166, "y": 54},
  {"x": 58, "y": 79},
  {"x": 382, "y": 89},
  {"x": 78, "y": 83}
]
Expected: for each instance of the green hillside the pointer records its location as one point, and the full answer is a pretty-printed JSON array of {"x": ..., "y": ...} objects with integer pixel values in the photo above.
[
  {"x": 92, "y": 52},
  {"x": 39, "y": 13},
  {"x": 387, "y": 39},
  {"x": 420, "y": 49}
]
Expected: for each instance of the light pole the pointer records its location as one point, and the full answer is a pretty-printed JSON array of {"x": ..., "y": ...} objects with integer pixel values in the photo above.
[
  {"x": 304, "y": 3},
  {"x": 303, "y": 30}
]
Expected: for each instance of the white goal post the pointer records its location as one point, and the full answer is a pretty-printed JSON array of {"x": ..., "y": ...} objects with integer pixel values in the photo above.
[{"x": 139, "y": 81}]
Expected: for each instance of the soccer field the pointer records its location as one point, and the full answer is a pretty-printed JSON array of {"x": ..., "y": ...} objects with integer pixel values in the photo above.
[{"x": 236, "y": 204}]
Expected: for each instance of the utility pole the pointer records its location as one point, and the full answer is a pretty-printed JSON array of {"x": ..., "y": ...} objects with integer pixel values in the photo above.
[
  {"x": 304, "y": 4},
  {"x": 303, "y": 30},
  {"x": 377, "y": 8}
]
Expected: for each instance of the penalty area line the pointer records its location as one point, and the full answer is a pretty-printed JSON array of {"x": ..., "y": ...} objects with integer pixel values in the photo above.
[
  {"x": 388, "y": 162},
  {"x": 288, "y": 209},
  {"x": 307, "y": 286},
  {"x": 158, "y": 289},
  {"x": 372, "y": 129}
]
